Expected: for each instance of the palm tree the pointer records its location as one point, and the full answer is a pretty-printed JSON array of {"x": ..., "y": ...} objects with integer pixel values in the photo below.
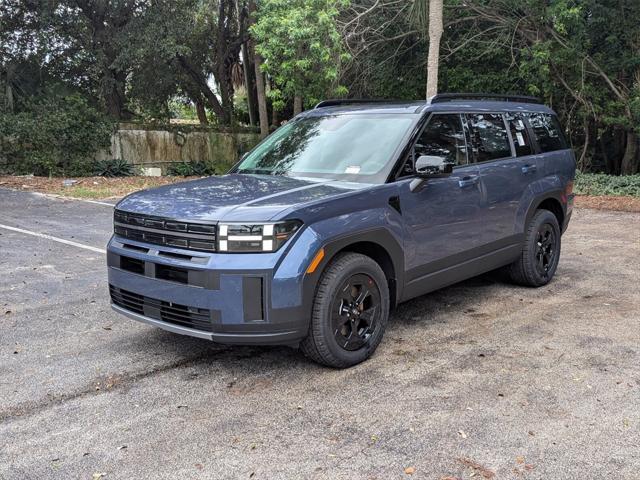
[{"x": 429, "y": 17}]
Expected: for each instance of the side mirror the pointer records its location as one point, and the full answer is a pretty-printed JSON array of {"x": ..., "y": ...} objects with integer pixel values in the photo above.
[{"x": 430, "y": 166}]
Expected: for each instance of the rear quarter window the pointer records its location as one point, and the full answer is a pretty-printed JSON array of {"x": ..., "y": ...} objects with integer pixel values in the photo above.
[
  {"x": 548, "y": 132},
  {"x": 519, "y": 134}
]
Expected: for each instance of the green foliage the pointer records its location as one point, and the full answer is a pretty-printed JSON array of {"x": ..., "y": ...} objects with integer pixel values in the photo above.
[
  {"x": 113, "y": 168},
  {"x": 302, "y": 48},
  {"x": 53, "y": 135},
  {"x": 601, "y": 184},
  {"x": 191, "y": 169}
]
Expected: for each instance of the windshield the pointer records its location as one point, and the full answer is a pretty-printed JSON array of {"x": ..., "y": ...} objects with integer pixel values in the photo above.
[{"x": 357, "y": 147}]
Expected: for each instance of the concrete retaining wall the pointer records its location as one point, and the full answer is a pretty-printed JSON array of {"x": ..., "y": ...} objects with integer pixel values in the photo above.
[{"x": 148, "y": 146}]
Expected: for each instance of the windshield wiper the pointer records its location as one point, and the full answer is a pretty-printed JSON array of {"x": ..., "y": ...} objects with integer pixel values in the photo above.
[{"x": 257, "y": 171}]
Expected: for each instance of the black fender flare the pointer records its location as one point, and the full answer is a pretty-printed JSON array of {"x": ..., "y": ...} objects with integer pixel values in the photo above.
[
  {"x": 538, "y": 199},
  {"x": 379, "y": 236}
]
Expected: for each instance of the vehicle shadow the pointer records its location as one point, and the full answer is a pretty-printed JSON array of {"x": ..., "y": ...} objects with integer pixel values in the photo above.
[{"x": 428, "y": 309}]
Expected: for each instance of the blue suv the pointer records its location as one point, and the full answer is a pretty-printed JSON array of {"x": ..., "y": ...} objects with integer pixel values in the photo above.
[{"x": 342, "y": 213}]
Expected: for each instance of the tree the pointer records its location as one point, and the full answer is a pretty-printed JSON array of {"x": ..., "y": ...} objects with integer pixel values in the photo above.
[
  {"x": 302, "y": 49},
  {"x": 583, "y": 57},
  {"x": 435, "y": 33}
]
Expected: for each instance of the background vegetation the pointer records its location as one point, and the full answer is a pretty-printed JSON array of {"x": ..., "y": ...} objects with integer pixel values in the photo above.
[{"x": 71, "y": 69}]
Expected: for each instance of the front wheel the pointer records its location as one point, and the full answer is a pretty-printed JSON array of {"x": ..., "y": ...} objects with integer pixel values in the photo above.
[
  {"x": 350, "y": 312},
  {"x": 540, "y": 252}
]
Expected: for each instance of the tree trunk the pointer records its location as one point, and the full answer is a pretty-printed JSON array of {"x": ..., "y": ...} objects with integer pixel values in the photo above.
[
  {"x": 262, "y": 99},
  {"x": 435, "y": 34},
  {"x": 629, "y": 164},
  {"x": 297, "y": 105},
  {"x": 582, "y": 162},
  {"x": 275, "y": 118},
  {"x": 249, "y": 84},
  {"x": 113, "y": 93},
  {"x": 202, "y": 113}
]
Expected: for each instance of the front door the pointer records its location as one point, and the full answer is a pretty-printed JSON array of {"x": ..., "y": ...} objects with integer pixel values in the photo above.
[{"x": 444, "y": 217}]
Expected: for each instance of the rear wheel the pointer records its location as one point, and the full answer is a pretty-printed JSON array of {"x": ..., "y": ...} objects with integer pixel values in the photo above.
[
  {"x": 350, "y": 312},
  {"x": 540, "y": 252}
]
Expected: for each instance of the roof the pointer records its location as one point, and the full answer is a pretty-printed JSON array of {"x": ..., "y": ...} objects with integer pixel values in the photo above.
[{"x": 449, "y": 103}]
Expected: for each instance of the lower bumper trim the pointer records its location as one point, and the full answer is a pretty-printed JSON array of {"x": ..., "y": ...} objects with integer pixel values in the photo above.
[{"x": 288, "y": 337}]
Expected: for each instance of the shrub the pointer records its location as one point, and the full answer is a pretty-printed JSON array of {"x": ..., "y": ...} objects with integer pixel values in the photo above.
[
  {"x": 190, "y": 169},
  {"x": 602, "y": 184},
  {"x": 113, "y": 168},
  {"x": 53, "y": 135}
]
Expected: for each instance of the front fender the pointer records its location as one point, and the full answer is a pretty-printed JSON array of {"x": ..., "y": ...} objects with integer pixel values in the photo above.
[{"x": 381, "y": 226}]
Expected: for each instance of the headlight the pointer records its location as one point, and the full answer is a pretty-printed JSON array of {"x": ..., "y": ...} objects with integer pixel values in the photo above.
[{"x": 261, "y": 237}]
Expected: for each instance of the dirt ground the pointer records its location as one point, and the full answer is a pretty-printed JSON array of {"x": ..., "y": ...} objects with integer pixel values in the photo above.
[
  {"x": 101, "y": 188},
  {"x": 479, "y": 380},
  {"x": 96, "y": 188}
]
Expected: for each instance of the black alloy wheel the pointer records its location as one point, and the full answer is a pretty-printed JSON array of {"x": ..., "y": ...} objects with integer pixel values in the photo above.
[
  {"x": 350, "y": 311},
  {"x": 356, "y": 311},
  {"x": 545, "y": 249},
  {"x": 540, "y": 253}
]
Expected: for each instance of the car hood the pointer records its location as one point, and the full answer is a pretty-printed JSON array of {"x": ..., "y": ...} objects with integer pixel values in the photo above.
[{"x": 234, "y": 197}]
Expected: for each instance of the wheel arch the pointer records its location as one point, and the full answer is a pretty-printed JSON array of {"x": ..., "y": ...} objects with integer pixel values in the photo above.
[
  {"x": 380, "y": 246},
  {"x": 554, "y": 206},
  {"x": 551, "y": 201}
]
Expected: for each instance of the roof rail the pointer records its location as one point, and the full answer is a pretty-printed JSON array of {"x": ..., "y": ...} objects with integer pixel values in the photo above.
[
  {"x": 451, "y": 97},
  {"x": 353, "y": 101}
]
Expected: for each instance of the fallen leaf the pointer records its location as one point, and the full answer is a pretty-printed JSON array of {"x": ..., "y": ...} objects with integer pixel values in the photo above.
[
  {"x": 462, "y": 434},
  {"x": 520, "y": 459},
  {"x": 477, "y": 468},
  {"x": 122, "y": 447},
  {"x": 98, "y": 476},
  {"x": 410, "y": 470}
]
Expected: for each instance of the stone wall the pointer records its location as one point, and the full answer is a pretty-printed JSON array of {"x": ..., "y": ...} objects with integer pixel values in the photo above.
[{"x": 149, "y": 146}]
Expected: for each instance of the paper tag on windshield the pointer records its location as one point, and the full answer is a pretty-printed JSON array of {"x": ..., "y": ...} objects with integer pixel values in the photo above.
[
  {"x": 352, "y": 169},
  {"x": 519, "y": 125},
  {"x": 520, "y": 139}
]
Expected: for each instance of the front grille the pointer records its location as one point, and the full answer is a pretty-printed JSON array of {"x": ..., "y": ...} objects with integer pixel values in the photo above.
[
  {"x": 161, "y": 231},
  {"x": 181, "y": 315}
]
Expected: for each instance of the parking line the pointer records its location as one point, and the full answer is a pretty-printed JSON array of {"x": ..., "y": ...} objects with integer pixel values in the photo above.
[
  {"x": 55, "y": 239},
  {"x": 62, "y": 197}
]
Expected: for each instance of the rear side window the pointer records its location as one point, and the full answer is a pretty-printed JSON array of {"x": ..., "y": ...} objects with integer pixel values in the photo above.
[
  {"x": 519, "y": 134},
  {"x": 489, "y": 140},
  {"x": 548, "y": 132}
]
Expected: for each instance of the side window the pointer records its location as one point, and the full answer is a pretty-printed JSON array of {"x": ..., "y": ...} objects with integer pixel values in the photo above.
[
  {"x": 443, "y": 137},
  {"x": 489, "y": 140},
  {"x": 519, "y": 134},
  {"x": 548, "y": 132}
]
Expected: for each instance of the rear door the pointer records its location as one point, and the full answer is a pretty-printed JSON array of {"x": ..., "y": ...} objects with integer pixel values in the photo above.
[{"x": 502, "y": 148}]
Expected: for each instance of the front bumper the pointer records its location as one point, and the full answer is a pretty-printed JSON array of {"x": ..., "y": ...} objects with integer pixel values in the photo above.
[{"x": 227, "y": 298}]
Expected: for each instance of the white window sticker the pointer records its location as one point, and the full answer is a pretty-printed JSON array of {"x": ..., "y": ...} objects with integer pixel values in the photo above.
[
  {"x": 520, "y": 139},
  {"x": 352, "y": 169}
]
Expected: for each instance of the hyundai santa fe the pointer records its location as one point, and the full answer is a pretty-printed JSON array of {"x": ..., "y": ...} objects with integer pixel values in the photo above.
[{"x": 342, "y": 213}]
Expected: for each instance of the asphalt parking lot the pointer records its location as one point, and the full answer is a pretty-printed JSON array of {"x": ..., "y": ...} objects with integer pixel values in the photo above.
[{"x": 479, "y": 380}]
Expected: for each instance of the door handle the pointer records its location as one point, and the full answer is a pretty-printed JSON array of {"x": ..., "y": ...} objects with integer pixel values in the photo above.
[
  {"x": 468, "y": 181},
  {"x": 529, "y": 169}
]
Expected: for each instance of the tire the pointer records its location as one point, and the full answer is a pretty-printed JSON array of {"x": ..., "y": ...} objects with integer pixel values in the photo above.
[
  {"x": 350, "y": 312},
  {"x": 540, "y": 252}
]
